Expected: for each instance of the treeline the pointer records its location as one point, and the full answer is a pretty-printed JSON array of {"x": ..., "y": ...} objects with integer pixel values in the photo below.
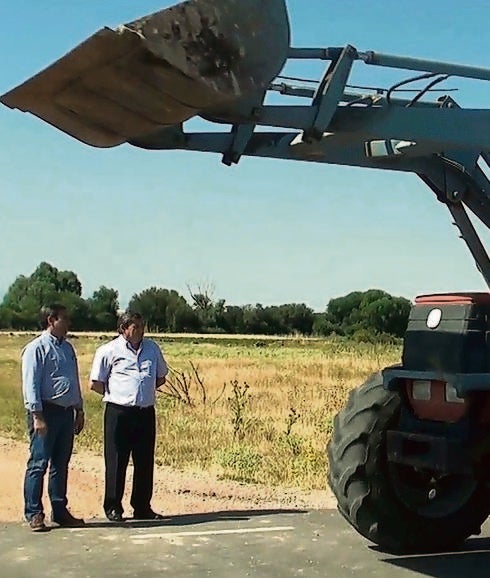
[{"x": 360, "y": 314}]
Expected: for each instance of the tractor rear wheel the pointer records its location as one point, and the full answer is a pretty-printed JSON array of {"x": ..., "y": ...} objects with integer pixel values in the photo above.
[{"x": 397, "y": 507}]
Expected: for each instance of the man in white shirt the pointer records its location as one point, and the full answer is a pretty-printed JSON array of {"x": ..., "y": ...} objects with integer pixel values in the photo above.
[{"x": 126, "y": 372}]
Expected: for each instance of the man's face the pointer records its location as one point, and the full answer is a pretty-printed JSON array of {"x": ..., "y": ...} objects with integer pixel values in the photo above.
[
  {"x": 134, "y": 333},
  {"x": 59, "y": 324}
]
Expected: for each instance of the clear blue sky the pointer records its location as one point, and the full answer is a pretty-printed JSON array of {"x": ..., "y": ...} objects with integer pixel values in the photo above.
[{"x": 265, "y": 231}]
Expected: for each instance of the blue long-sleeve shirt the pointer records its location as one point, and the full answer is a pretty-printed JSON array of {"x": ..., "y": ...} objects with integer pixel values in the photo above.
[{"x": 50, "y": 373}]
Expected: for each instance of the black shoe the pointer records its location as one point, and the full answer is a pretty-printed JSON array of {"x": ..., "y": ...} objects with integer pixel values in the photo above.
[
  {"x": 114, "y": 516},
  {"x": 67, "y": 520},
  {"x": 148, "y": 515}
]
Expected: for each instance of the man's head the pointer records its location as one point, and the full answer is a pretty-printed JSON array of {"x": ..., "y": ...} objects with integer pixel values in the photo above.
[
  {"x": 132, "y": 327},
  {"x": 55, "y": 319}
]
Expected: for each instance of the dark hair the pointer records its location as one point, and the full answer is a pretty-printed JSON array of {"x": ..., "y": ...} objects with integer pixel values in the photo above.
[
  {"x": 126, "y": 319},
  {"x": 48, "y": 311}
]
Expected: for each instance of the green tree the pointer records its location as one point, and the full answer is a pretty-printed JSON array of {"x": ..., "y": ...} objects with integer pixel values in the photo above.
[
  {"x": 232, "y": 321},
  {"x": 295, "y": 318},
  {"x": 255, "y": 319},
  {"x": 388, "y": 315},
  {"x": 164, "y": 310},
  {"x": 5, "y": 317},
  {"x": 26, "y": 296},
  {"x": 68, "y": 282},
  {"x": 103, "y": 307},
  {"x": 323, "y": 326},
  {"x": 210, "y": 312},
  {"x": 373, "y": 311}
]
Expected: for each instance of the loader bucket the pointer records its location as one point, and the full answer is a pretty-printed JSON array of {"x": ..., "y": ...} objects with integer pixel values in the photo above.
[{"x": 159, "y": 70}]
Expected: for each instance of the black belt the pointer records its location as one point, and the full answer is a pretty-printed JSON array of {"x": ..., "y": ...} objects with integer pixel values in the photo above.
[
  {"x": 54, "y": 406},
  {"x": 129, "y": 407}
]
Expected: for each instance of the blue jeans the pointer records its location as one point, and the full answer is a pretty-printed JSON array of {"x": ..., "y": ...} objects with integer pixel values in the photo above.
[{"x": 53, "y": 449}]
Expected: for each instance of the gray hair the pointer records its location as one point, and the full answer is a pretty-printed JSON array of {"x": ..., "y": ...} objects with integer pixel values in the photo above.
[
  {"x": 127, "y": 319},
  {"x": 48, "y": 311}
]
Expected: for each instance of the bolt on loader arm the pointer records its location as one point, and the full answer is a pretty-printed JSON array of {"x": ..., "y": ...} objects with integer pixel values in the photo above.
[{"x": 218, "y": 60}]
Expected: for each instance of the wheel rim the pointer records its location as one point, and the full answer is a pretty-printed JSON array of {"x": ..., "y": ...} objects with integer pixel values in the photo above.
[{"x": 431, "y": 494}]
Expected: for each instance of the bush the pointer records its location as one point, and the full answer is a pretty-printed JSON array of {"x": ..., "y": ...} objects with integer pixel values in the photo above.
[{"x": 240, "y": 462}]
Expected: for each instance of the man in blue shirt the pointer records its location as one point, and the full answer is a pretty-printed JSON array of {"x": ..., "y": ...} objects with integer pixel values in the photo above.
[
  {"x": 52, "y": 398},
  {"x": 126, "y": 372}
]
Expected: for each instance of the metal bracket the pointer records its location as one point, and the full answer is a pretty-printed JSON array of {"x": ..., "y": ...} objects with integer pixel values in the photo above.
[
  {"x": 471, "y": 238},
  {"x": 241, "y": 135},
  {"x": 456, "y": 187},
  {"x": 330, "y": 93}
]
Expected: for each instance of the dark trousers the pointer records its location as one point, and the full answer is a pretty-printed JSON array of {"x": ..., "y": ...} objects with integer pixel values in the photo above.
[
  {"x": 128, "y": 431},
  {"x": 53, "y": 450}
]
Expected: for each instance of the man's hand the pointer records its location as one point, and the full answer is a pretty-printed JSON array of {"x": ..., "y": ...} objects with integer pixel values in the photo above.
[
  {"x": 79, "y": 422},
  {"x": 39, "y": 424},
  {"x": 98, "y": 387}
]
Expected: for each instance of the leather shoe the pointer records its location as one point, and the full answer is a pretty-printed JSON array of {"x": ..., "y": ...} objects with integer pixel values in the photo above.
[
  {"x": 148, "y": 515},
  {"x": 67, "y": 520},
  {"x": 114, "y": 516},
  {"x": 36, "y": 523}
]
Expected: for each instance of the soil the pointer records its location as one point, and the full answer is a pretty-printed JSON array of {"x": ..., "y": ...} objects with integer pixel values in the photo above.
[{"x": 175, "y": 492}]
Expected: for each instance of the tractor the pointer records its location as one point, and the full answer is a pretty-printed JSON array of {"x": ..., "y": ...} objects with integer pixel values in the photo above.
[{"x": 409, "y": 457}]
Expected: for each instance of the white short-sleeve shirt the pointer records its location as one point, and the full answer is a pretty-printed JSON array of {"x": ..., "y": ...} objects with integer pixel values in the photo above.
[{"x": 129, "y": 376}]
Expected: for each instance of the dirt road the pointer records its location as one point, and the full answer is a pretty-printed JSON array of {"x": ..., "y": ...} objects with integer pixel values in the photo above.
[{"x": 174, "y": 492}]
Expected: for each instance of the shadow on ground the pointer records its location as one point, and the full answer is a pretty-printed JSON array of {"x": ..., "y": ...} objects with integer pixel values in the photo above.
[
  {"x": 189, "y": 519},
  {"x": 471, "y": 561}
]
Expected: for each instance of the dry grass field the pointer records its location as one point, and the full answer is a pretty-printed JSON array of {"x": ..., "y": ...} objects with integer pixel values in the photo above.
[{"x": 247, "y": 409}]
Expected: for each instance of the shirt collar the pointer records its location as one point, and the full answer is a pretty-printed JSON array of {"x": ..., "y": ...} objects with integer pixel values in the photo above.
[
  {"x": 128, "y": 345},
  {"x": 55, "y": 340}
]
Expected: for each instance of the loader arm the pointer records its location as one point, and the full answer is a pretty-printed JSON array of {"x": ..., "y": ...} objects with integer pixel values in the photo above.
[{"x": 219, "y": 60}]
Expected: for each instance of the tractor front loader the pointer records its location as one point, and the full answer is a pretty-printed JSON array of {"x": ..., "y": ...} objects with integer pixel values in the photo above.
[{"x": 409, "y": 458}]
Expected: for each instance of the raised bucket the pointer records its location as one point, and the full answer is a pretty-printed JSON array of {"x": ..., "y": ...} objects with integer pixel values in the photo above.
[{"x": 159, "y": 70}]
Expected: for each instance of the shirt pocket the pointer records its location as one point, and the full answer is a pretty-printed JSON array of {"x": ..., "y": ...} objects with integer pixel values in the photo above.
[
  {"x": 146, "y": 367},
  {"x": 59, "y": 376},
  {"x": 52, "y": 364}
]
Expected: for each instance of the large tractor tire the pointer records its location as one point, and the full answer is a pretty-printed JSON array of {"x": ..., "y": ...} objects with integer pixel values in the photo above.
[{"x": 397, "y": 507}]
